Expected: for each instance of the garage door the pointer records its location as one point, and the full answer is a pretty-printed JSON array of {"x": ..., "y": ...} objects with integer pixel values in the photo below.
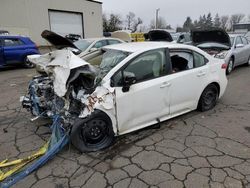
[{"x": 65, "y": 23}]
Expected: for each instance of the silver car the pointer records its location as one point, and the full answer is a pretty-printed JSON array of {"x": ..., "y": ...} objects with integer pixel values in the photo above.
[{"x": 238, "y": 54}]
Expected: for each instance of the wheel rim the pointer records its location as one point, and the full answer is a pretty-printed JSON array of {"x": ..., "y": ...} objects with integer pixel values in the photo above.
[
  {"x": 230, "y": 66},
  {"x": 95, "y": 132},
  {"x": 28, "y": 63},
  {"x": 210, "y": 98}
]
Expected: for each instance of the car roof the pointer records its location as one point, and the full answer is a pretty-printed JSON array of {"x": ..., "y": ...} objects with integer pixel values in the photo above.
[
  {"x": 142, "y": 46},
  {"x": 101, "y": 38}
]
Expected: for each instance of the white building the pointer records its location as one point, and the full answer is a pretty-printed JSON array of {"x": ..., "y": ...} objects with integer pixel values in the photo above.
[{"x": 31, "y": 17}]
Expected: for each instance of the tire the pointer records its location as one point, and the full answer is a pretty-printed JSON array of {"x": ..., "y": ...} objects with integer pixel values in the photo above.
[
  {"x": 230, "y": 66},
  {"x": 92, "y": 133},
  {"x": 208, "y": 98},
  {"x": 248, "y": 62},
  {"x": 27, "y": 63}
]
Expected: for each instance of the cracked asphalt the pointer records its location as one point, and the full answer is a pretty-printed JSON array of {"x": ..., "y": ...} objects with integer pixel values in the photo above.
[{"x": 196, "y": 150}]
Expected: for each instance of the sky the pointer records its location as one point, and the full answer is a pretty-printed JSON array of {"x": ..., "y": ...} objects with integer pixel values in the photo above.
[{"x": 175, "y": 11}]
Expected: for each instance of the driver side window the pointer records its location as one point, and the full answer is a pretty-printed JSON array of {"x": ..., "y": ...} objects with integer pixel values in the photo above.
[{"x": 149, "y": 65}]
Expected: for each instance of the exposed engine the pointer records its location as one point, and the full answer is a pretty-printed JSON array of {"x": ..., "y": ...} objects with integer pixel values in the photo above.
[{"x": 42, "y": 101}]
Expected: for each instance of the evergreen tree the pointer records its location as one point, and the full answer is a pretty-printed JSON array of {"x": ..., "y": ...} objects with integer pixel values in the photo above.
[{"x": 217, "y": 21}]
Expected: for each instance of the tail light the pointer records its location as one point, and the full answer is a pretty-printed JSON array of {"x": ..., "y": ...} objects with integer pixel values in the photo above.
[{"x": 224, "y": 66}]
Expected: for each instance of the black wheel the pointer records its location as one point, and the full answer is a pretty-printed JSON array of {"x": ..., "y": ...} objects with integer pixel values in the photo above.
[
  {"x": 208, "y": 98},
  {"x": 93, "y": 133},
  {"x": 27, "y": 63},
  {"x": 230, "y": 66},
  {"x": 248, "y": 62}
]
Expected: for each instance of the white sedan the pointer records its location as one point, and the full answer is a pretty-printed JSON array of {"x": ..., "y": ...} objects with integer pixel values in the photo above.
[
  {"x": 152, "y": 82},
  {"x": 136, "y": 85}
]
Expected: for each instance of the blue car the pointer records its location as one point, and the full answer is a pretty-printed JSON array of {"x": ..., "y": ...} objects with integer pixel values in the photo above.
[{"x": 15, "y": 49}]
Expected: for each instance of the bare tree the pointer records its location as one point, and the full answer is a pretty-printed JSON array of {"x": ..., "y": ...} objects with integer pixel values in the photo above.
[
  {"x": 224, "y": 21},
  {"x": 236, "y": 18},
  {"x": 113, "y": 23},
  {"x": 132, "y": 22}
]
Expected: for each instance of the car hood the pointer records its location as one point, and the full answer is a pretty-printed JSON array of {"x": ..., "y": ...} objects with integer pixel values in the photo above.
[
  {"x": 57, "y": 40},
  {"x": 159, "y": 35},
  {"x": 217, "y": 38}
]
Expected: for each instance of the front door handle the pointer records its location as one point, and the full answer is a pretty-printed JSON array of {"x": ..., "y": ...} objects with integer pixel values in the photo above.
[{"x": 165, "y": 84}]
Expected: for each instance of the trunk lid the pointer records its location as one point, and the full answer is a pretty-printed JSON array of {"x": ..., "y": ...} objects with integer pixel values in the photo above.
[{"x": 57, "y": 40}]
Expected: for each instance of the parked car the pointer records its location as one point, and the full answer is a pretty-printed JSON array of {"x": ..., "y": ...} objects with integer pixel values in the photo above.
[
  {"x": 238, "y": 54},
  {"x": 15, "y": 49},
  {"x": 158, "y": 35},
  {"x": 4, "y": 32},
  {"x": 73, "y": 37},
  {"x": 135, "y": 85},
  {"x": 182, "y": 38},
  {"x": 234, "y": 49}
]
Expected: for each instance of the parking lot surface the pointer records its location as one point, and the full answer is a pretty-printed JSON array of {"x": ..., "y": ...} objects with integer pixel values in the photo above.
[{"x": 210, "y": 149}]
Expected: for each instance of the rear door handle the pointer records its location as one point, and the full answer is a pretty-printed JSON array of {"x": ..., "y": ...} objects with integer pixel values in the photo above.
[
  {"x": 201, "y": 73},
  {"x": 165, "y": 84}
]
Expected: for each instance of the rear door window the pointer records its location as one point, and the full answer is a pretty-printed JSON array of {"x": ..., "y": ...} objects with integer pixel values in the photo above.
[
  {"x": 181, "y": 61},
  {"x": 244, "y": 40},
  {"x": 238, "y": 41},
  {"x": 12, "y": 42}
]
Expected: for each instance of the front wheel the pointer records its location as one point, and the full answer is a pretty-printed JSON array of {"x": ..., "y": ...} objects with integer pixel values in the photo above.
[
  {"x": 208, "y": 98},
  {"x": 230, "y": 66},
  {"x": 93, "y": 133},
  {"x": 248, "y": 62},
  {"x": 27, "y": 63}
]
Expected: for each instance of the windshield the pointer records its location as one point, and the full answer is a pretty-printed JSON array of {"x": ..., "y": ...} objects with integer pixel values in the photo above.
[
  {"x": 83, "y": 44},
  {"x": 110, "y": 59},
  {"x": 232, "y": 40}
]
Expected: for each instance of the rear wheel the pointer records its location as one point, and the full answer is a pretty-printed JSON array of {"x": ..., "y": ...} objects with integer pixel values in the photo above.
[
  {"x": 93, "y": 133},
  {"x": 208, "y": 98},
  {"x": 27, "y": 63},
  {"x": 230, "y": 66}
]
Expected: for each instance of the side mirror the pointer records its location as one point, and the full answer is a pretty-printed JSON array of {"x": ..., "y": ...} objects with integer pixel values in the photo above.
[
  {"x": 128, "y": 80},
  {"x": 239, "y": 46},
  {"x": 93, "y": 49}
]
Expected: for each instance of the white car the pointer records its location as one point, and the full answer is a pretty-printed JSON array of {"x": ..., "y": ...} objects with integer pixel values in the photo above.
[
  {"x": 93, "y": 44},
  {"x": 135, "y": 86}
]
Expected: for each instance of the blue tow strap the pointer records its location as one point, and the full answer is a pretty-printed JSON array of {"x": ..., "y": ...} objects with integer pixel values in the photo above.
[{"x": 58, "y": 140}]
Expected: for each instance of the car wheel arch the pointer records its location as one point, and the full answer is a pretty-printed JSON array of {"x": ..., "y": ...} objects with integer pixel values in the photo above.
[{"x": 212, "y": 83}]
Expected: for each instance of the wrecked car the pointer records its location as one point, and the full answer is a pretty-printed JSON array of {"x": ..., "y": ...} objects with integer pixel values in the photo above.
[{"x": 134, "y": 85}]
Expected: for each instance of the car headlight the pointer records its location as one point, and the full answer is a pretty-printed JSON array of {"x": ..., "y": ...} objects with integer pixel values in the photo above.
[{"x": 221, "y": 55}]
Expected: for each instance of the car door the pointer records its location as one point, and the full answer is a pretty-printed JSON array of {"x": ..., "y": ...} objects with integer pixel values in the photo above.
[
  {"x": 147, "y": 100},
  {"x": 1, "y": 53},
  {"x": 246, "y": 50},
  {"x": 238, "y": 51},
  {"x": 13, "y": 50},
  {"x": 188, "y": 80}
]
